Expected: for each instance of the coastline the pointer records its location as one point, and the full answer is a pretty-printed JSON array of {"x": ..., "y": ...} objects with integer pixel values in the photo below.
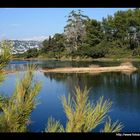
[{"x": 85, "y": 59}]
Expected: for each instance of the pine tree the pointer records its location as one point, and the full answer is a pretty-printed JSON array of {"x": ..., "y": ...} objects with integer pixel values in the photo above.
[
  {"x": 15, "y": 110},
  {"x": 83, "y": 116},
  {"x": 5, "y": 55}
]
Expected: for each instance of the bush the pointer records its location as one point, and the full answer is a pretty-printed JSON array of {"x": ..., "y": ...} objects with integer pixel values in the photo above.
[
  {"x": 119, "y": 52},
  {"x": 97, "y": 51},
  {"x": 84, "y": 116},
  {"x": 136, "y": 52},
  {"x": 32, "y": 53},
  {"x": 16, "y": 110}
]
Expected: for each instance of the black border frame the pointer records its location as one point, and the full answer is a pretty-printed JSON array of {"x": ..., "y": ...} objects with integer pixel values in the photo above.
[
  {"x": 69, "y": 3},
  {"x": 65, "y": 4}
]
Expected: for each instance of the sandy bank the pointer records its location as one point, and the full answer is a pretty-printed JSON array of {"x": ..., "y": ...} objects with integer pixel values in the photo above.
[
  {"x": 124, "y": 67},
  {"x": 10, "y": 71}
]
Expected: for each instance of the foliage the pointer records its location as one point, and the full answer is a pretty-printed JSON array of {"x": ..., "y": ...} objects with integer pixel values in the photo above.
[
  {"x": 47, "y": 44},
  {"x": 54, "y": 46},
  {"x": 124, "y": 26},
  {"x": 75, "y": 29},
  {"x": 2, "y": 76},
  {"x": 16, "y": 110},
  {"x": 136, "y": 52},
  {"x": 94, "y": 33},
  {"x": 5, "y": 53},
  {"x": 98, "y": 51},
  {"x": 82, "y": 115},
  {"x": 32, "y": 53},
  {"x": 54, "y": 126},
  {"x": 119, "y": 53},
  {"x": 115, "y": 127},
  {"x": 86, "y": 37}
]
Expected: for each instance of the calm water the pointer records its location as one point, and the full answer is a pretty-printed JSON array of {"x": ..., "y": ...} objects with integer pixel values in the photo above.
[{"x": 123, "y": 89}]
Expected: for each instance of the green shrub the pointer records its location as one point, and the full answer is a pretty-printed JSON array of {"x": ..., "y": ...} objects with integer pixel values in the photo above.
[
  {"x": 32, "y": 53},
  {"x": 16, "y": 110},
  {"x": 83, "y": 115},
  {"x": 136, "y": 52}
]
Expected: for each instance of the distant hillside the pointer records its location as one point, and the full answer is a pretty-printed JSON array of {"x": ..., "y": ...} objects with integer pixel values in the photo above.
[{"x": 21, "y": 46}]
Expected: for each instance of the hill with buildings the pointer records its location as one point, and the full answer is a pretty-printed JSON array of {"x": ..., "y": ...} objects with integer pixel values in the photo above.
[{"x": 21, "y": 46}]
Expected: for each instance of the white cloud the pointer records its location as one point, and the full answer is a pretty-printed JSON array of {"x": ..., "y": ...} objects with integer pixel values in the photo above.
[
  {"x": 38, "y": 38},
  {"x": 3, "y": 36},
  {"x": 35, "y": 38},
  {"x": 6, "y": 8}
]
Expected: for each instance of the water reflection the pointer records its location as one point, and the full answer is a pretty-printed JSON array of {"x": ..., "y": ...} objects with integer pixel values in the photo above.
[
  {"x": 121, "y": 88},
  {"x": 22, "y": 65}
]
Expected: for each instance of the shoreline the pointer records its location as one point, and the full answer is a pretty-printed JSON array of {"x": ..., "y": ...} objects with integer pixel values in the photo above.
[
  {"x": 89, "y": 59},
  {"x": 125, "y": 67}
]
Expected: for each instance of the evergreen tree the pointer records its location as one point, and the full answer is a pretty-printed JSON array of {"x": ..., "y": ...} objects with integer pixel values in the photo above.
[
  {"x": 84, "y": 116},
  {"x": 94, "y": 33},
  {"x": 15, "y": 110},
  {"x": 75, "y": 29}
]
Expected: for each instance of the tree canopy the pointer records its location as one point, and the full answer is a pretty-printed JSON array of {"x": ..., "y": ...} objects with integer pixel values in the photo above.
[{"x": 117, "y": 35}]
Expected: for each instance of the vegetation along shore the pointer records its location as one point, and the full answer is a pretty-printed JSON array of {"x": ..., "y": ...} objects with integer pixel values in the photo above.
[{"x": 115, "y": 37}]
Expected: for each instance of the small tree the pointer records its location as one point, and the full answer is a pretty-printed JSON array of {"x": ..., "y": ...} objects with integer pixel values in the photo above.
[
  {"x": 83, "y": 116},
  {"x": 5, "y": 53},
  {"x": 15, "y": 110},
  {"x": 32, "y": 53},
  {"x": 94, "y": 33}
]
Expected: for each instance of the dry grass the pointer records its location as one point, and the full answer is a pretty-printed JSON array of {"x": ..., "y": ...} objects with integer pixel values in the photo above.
[
  {"x": 126, "y": 64},
  {"x": 124, "y": 67}
]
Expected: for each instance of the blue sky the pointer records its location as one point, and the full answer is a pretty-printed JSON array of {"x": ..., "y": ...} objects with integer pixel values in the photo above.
[{"x": 39, "y": 23}]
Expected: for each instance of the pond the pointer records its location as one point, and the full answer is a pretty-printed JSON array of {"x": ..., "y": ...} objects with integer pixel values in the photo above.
[{"x": 122, "y": 89}]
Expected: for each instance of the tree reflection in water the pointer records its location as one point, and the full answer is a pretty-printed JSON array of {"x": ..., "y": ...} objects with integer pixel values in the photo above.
[{"x": 118, "y": 87}]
